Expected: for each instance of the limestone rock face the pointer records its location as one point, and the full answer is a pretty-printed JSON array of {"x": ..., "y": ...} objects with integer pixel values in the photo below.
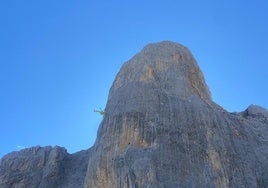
[
  {"x": 255, "y": 111},
  {"x": 43, "y": 167},
  {"x": 168, "y": 67},
  {"x": 162, "y": 130}
]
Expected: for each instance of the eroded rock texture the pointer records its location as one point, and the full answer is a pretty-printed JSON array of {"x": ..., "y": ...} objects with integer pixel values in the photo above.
[
  {"x": 161, "y": 129},
  {"x": 43, "y": 167}
]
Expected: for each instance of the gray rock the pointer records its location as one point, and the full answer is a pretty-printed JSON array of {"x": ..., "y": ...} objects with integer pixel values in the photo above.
[
  {"x": 255, "y": 110},
  {"x": 162, "y": 130},
  {"x": 255, "y": 113},
  {"x": 43, "y": 167}
]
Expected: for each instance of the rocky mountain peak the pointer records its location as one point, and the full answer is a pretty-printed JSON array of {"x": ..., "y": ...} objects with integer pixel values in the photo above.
[
  {"x": 160, "y": 129},
  {"x": 166, "y": 66}
]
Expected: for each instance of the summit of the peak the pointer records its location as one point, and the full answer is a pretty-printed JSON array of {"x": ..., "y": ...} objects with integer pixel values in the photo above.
[{"x": 167, "y": 66}]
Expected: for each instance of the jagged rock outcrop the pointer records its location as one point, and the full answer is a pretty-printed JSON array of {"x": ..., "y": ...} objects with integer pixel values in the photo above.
[
  {"x": 160, "y": 129},
  {"x": 257, "y": 113},
  {"x": 43, "y": 167}
]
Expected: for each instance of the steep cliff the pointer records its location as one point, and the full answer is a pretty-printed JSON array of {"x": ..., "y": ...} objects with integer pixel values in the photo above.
[{"x": 160, "y": 129}]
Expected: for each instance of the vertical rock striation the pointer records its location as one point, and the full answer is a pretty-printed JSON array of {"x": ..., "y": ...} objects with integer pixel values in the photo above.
[{"x": 161, "y": 129}]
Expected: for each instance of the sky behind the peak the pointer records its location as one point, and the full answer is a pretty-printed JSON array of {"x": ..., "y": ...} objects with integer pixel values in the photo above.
[{"x": 58, "y": 59}]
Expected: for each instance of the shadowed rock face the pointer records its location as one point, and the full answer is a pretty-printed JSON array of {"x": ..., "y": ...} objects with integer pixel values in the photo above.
[
  {"x": 161, "y": 129},
  {"x": 43, "y": 167}
]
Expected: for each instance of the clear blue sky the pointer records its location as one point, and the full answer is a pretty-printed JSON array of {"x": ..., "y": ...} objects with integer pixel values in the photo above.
[{"x": 58, "y": 59}]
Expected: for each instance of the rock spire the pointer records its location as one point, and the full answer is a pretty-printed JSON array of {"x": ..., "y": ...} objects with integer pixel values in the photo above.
[{"x": 160, "y": 129}]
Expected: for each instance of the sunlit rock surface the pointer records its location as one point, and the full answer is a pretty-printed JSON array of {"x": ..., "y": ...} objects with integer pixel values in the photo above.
[{"x": 160, "y": 129}]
